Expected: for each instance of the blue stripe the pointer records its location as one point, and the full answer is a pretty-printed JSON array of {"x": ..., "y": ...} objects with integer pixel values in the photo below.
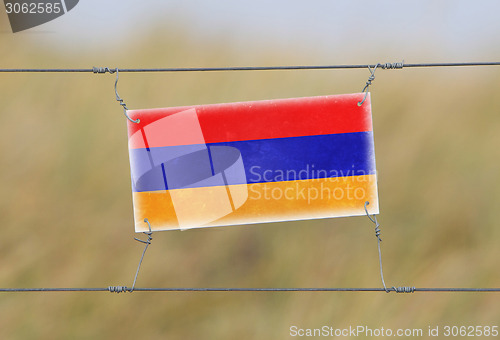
[{"x": 266, "y": 160}]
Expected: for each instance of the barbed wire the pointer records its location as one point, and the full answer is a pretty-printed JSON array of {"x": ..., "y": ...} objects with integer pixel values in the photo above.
[{"x": 398, "y": 65}]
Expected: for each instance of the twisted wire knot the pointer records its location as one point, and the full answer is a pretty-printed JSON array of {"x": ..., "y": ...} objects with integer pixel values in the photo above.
[
  {"x": 374, "y": 220},
  {"x": 403, "y": 289},
  {"x": 120, "y": 100},
  {"x": 103, "y": 70},
  {"x": 385, "y": 66},
  {"x": 392, "y": 66},
  {"x": 378, "y": 232},
  {"x": 369, "y": 81},
  {"x": 118, "y": 289},
  {"x": 147, "y": 233}
]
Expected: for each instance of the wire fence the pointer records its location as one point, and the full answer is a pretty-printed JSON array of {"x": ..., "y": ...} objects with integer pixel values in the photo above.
[{"x": 371, "y": 67}]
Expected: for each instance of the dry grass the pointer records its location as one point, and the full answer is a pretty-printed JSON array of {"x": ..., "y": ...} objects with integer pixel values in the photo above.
[{"x": 65, "y": 206}]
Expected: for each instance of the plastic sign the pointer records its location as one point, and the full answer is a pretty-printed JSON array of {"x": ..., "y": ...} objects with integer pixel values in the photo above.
[{"x": 252, "y": 162}]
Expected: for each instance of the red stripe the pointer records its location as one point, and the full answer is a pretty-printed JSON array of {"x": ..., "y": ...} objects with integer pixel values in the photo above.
[{"x": 268, "y": 119}]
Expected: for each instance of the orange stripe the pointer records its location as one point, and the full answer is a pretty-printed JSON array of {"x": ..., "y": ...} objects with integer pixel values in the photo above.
[{"x": 265, "y": 202}]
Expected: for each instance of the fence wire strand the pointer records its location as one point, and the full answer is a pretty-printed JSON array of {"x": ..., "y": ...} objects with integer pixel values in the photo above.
[
  {"x": 173, "y": 289},
  {"x": 245, "y": 68}
]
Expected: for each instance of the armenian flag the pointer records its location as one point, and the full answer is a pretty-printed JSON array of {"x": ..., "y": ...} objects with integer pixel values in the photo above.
[{"x": 252, "y": 162}]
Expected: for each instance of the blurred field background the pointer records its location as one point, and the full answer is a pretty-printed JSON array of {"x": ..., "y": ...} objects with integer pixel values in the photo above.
[{"x": 66, "y": 209}]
